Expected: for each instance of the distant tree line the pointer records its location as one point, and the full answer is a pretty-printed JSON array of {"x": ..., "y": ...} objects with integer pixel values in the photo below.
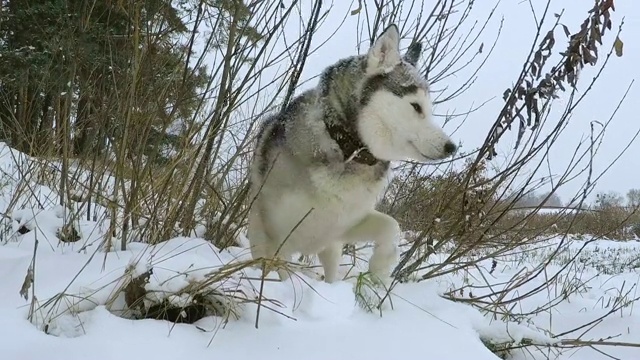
[{"x": 533, "y": 199}]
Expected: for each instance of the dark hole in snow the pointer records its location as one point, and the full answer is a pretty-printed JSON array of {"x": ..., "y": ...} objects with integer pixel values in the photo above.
[
  {"x": 68, "y": 234},
  {"x": 204, "y": 303},
  {"x": 23, "y": 230},
  {"x": 188, "y": 314}
]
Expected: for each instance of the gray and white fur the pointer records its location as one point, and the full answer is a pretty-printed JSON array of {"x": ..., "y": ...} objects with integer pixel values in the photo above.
[{"x": 321, "y": 164}]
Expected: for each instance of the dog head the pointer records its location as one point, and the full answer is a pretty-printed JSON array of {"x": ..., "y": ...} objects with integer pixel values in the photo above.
[{"x": 395, "y": 120}]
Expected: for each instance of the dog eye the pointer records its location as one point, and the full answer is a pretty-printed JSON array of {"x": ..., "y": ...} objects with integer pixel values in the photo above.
[{"x": 417, "y": 107}]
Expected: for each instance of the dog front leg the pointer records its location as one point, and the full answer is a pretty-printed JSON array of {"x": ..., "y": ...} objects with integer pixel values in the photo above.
[
  {"x": 330, "y": 259},
  {"x": 384, "y": 231},
  {"x": 263, "y": 246}
]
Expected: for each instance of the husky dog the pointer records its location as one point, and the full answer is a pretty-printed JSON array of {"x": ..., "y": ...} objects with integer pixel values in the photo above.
[{"x": 322, "y": 163}]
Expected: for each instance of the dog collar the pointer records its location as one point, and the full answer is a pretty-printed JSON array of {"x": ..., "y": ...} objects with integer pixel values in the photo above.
[{"x": 351, "y": 145}]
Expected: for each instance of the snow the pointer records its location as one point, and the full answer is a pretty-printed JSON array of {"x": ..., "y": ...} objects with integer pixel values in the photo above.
[
  {"x": 319, "y": 314},
  {"x": 79, "y": 310}
]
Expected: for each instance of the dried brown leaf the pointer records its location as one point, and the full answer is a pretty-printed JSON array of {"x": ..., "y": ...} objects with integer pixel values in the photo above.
[
  {"x": 506, "y": 94},
  {"x": 618, "y": 45},
  {"x": 26, "y": 284},
  {"x": 357, "y": 11}
]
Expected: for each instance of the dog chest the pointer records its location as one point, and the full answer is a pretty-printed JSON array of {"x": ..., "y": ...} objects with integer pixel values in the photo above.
[{"x": 323, "y": 211}]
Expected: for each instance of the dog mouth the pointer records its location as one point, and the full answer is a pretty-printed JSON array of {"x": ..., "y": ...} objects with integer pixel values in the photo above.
[{"x": 424, "y": 157}]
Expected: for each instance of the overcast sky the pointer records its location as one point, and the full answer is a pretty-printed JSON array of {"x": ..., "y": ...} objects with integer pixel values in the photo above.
[{"x": 503, "y": 68}]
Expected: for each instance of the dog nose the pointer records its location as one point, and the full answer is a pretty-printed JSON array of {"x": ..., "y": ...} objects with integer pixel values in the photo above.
[{"x": 450, "y": 148}]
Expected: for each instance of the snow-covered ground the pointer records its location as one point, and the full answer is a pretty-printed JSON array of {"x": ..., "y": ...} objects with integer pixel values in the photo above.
[{"x": 75, "y": 307}]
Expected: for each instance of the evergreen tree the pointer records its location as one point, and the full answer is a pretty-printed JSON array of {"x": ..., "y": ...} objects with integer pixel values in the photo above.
[{"x": 74, "y": 62}]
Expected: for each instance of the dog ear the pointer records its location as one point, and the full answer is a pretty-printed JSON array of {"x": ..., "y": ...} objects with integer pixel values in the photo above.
[
  {"x": 385, "y": 52},
  {"x": 413, "y": 53}
]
